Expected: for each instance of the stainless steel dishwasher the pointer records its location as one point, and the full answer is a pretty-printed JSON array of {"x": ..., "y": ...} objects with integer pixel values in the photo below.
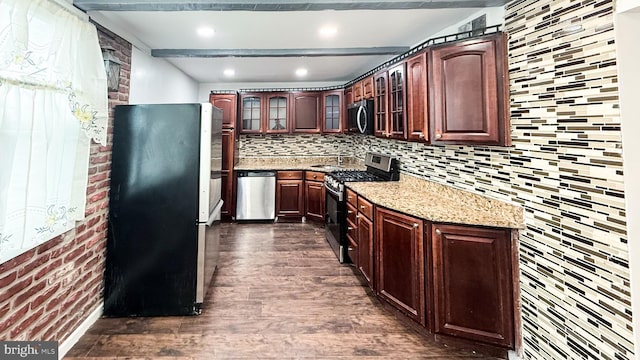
[{"x": 256, "y": 195}]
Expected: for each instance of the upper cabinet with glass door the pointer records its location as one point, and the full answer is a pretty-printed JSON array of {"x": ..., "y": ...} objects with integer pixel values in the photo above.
[
  {"x": 251, "y": 118},
  {"x": 397, "y": 125},
  {"x": 380, "y": 104},
  {"x": 277, "y": 112},
  {"x": 389, "y": 103},
  {"x": 332, "y": 108}
]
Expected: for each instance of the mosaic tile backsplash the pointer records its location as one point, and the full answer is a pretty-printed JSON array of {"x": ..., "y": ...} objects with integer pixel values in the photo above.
[
  {"x": 283, "y": 145},
  {"x": 564, "y": 169}
]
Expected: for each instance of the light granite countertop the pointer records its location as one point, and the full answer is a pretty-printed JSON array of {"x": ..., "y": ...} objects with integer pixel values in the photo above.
[
  {"x": 440, "y": 203},
  {"x": 299, "y": 163},
  {"x": 411, "y": 195}
]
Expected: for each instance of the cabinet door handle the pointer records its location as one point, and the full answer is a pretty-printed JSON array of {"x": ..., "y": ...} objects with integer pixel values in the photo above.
[
  {"x": 349, "y": 248},
  {"x": 357, "y": 216},
  {"x": 415, "y": 225},
  {"x": 362, "y": 207},
  {"x": 438, "y": 232},
  {"x": 421, "y": 136},
  {"x": 350, "y": 212},
  {"x": 315, "y": 176},
  {"x": 349, "y": 228},
  {"x": 438, "y": 136}
]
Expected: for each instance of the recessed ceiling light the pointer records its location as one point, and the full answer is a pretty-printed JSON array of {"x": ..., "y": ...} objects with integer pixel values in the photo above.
[
  {"x": 301, "y": 72},
  {"x": 328, "y": 31},
  {"x": 229, "y": 72},
  {"x": 205, "y": 31}
]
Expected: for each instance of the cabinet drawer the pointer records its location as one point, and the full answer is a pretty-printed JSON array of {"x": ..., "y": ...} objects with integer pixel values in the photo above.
[
  {"x": 352, "y": 252},
  {"x": 352, "y": 232},
  {"x": 351, "y": 213},
  {"x": 313, "y": 176},
  {"x": 365, "y": 207},
  {"x": 289, "y": 175},
  {"x": 352, "y": 197}
]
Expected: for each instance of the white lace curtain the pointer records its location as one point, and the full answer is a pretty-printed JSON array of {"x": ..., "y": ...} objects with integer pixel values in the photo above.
[{"x": 53, "y": 101}]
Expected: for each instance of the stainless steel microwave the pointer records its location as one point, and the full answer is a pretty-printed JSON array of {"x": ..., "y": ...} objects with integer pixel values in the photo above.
[{"x": 360, "y": 117}]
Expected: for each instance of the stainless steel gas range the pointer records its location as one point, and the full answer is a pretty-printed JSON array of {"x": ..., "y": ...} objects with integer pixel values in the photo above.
[{"x": 379, "y": 168}]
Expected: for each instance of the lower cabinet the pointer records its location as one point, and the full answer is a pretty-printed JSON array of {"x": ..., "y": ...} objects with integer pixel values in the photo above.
[
  {"x": 314, "y": 196},
  {"x": 399, "y": 267},
  {"x": 227, "y": 195},
  {"x": 473, "y": 286},
  {"x": 352, "y": 234},
  {"x": 365, "y": 249},
  {"x": 289, "y": 194}
]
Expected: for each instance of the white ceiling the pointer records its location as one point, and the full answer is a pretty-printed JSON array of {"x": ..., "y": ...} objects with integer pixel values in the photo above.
[{"x": 285, "y": 31}]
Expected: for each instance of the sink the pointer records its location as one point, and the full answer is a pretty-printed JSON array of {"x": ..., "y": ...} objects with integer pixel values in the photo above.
[{"x": 327, "y": 167}]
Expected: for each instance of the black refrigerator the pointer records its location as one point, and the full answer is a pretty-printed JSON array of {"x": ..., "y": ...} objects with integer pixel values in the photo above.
[{"x": 164, "y": 209}]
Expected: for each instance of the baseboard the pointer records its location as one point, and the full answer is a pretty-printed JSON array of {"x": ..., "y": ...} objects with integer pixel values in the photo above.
[{"x": 72, "y": 339}]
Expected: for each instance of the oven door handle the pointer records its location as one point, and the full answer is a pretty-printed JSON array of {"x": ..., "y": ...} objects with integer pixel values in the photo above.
[{"x": 334, "y": 193}]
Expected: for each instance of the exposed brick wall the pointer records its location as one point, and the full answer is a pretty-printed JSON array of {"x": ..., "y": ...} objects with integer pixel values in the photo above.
[{"x": 48, "y": 291}]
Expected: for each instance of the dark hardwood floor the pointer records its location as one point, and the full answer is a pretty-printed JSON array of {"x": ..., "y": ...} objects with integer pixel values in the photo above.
[{"x": 279, "y": 293}]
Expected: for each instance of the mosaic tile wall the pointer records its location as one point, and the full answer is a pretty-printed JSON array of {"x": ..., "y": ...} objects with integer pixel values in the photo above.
[
  {"x": 564, "y": 168},
  {"x": 295, "y": 145}
]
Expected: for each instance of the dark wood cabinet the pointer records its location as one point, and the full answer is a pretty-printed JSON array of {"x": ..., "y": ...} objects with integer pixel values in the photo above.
[
  {"x": 314, "y": 196},
  {"x": 251, "y": 113},
  {"x": 389, "y": 103},
  {"x": 229, "y": 159},
  {"x": 358, "y": 93},
  {"x": 264, "y": 113},
  {"x": 348, "y": 100},
  {"x": 228, "y": 104},
  {"x": 473, "y": 286},
  {"x": 228, "y": 206},
  {"x": 348, "y": 97},
  {"x": 367, "y": 87},
  {"x": 305, "y": 109},
  {"x": 332, "y": 111},
  {"x": 380, "y": 104},
  {"x": 352, "y": 235},
  {"x": 228, "y": 149},
  {"x": 469, "y": 92},
  {"x": 399, "y": 267},
  {"x": 289, "y": 194},
  {"x": 417, "y": 105},
  {"x": 363, "y": 89},
  {"x": 277, "y": 113},
  {"x": 396, "y": 126},
  {"x": 366, "y": 249},
  {"x": 352, "y": 231}
]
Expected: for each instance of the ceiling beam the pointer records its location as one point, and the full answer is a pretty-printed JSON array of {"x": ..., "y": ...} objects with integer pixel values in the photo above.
[
  {"x": 273, "y": 5},
  {"x": 214, "y": 53}
]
